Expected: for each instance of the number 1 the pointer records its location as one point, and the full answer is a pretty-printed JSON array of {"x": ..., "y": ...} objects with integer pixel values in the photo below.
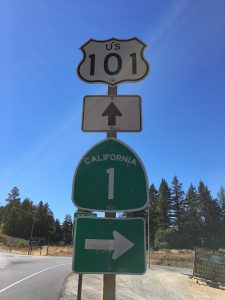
[
  {"x": 92, "y": 68},
  {"x": 110, "y": 171}
]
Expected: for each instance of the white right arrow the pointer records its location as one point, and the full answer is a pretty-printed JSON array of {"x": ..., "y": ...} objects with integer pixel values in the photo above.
[{"x": 119, "y": 245}]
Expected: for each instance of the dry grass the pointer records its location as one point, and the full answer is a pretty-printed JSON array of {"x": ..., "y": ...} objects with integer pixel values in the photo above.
[
  {"x": 51, "y": 250},
  {"x": 174, "y": 258}
]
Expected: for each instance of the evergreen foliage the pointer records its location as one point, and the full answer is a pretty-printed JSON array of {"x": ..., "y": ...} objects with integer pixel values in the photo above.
[
  {"x": 191, "y": 232},
  {"x": 221, "y": 203},
  {"x": 67, "y": 228},
  {"x": 23, "y": 219},
  {"x": 163, "y": 206},
  {"x": 176, "y": 219},
  {"x": 176, "y": 207},
  {"x": 153, "y": 211}
]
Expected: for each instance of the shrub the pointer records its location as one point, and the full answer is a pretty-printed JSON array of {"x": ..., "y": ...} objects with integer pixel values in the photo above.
[{"x": 166, "y": 239}]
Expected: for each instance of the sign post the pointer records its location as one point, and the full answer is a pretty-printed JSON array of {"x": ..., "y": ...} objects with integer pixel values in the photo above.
[
  {"x": 109, "y": 280},
  {"x": 110, "y": 177}
]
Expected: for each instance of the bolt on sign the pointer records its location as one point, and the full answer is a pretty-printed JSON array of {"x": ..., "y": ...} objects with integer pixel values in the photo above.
[
  {"x": 113, "y": 61},
  {"x": 109, "y": 246},
  {"x": 110, "y": 177}
]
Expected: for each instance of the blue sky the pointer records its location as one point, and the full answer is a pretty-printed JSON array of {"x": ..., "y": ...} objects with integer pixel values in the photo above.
[{"x": 41, "y": 96}]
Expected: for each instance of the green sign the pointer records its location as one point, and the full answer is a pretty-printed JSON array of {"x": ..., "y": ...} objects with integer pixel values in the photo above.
[
  {"x": 37, "y": 241},
  {"x": 110, "y": 177},
  {"x": 84, "y": 214},
  {"x": 114, "y": 246},
  {"x": 81, "y": 214}
]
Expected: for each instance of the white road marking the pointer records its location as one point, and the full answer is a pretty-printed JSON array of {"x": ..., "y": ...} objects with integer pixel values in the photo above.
[{"x": 6, "y": 288}]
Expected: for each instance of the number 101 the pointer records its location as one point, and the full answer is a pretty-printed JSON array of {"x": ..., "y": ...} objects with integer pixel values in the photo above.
[{"x": 119, "y": 64}]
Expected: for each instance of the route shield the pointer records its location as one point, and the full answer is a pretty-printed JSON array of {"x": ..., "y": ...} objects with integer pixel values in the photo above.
[
  {"x": 113, "y": 61},
  {"x": 110, "y": 177}
]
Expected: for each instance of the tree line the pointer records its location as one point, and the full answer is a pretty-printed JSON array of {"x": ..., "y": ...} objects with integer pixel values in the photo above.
[
  {"x": 22, "y": 219},
  {"x": 179, "y": 219}
]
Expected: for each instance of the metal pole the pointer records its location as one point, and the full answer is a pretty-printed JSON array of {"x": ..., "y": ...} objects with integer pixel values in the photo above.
[
  {"x": 109, "y": 280},
  {"x": 79, "y": 287},
  {"x": 48, "y": 243},
  {"x": 31, "y": 235},
  {"x": 194, "y": 263},
  {"x": 148, "y": 238},
  {"x": 80, "y": 276}
]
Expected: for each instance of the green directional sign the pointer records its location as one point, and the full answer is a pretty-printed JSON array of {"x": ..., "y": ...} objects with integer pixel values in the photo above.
[
  {"x": 37, "y": 241},
  {"x": 84, "y": 214},
  {"x": 114, "y": 246},
  {"x": 81, "y": 214},
  {"x": 110, "y": 177}
]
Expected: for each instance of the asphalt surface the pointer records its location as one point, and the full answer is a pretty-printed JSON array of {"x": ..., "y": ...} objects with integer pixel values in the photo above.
[{"x": 32, "y": 277}]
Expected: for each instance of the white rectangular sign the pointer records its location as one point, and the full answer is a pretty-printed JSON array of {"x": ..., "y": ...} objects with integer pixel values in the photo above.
[{"x": 112, "y": 113}]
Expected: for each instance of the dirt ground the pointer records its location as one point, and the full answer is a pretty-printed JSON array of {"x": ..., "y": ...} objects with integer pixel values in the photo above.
[{"x": 159, "y": 283}]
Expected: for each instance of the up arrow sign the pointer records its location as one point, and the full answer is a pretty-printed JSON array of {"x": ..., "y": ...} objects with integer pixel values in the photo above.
[
  {"x": 119, "y": 245},
  {"x": 112, "y": 111}
]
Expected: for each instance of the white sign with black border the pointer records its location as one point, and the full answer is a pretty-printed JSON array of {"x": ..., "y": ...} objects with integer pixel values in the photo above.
[
  {"x": 112, "y": 113},
  {"x": 113, "y": 61}
]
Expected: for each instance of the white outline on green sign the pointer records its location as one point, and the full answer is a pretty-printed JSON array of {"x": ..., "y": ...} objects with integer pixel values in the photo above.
[{"x": 109, "y": 209}]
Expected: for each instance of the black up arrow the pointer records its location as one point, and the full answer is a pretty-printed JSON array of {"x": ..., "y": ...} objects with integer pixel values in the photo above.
[{"x": 111, "y": 111}]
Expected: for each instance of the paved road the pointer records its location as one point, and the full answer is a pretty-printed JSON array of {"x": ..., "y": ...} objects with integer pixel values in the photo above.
[{"x": 32, "y": 277}]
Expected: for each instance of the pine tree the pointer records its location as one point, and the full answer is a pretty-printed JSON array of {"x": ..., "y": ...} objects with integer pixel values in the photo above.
[
  {"x": 221, "y": 203},
  {"x": 191, "y": 219},
  {"x": 13, "y": 196},
  {"x": 27, "y": 210},
  {"x": 57, "y": 235},
  {"x": 1, "y": 215},
  {"x": 153, "y": 212},
  {"x": 209, "y": 217},
  {"x": 11, "y": 218},
  {"x": 176, "y": 207},
  {"x": 163, "y": 221},
  {"x": 67, "y": 228},
  {"x": 44, "y": 221}
]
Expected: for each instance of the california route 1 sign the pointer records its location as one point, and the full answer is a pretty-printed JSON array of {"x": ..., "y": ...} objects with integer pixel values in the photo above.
[
  {"x": 114, "y": 246},
  {"x": 113, "y": 61},
  {"x": 110, "y": 177}
]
